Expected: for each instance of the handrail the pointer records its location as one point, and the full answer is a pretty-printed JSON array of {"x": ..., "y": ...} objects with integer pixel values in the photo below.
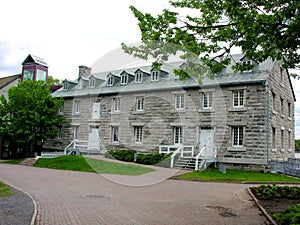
[
  {"x": 180, "y": 147},
  {"x": 69, "y": 145},
  {"x": 198, "y": 156}
]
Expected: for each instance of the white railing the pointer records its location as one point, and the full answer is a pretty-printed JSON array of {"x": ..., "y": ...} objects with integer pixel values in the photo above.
[
  {"x": 51, "y": 154},
  {"x": 202, "y": 155},
  {"x": 69, "y": 145},
  {"x": 179, "y": 149},
  {"x": 187, "y": 149},
  {"x": 82, "y": 146}
]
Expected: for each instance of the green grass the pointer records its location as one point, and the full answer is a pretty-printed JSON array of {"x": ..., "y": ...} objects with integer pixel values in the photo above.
[
  {"x": 235, "y": 176},
  {"x": 101, "y": 166},
  {"x": 79, "y": 163},
  {"x": 5, "y": 190},
  {"x": 14, "y": 161}
]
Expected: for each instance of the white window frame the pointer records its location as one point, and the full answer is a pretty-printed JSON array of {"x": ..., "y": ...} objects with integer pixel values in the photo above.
[
  {"x": 154, "y": 75},
  {"x": 140, "y": 103},
  {"x": 76, "y": 107},
  {"x": 124, "y": 79},
  {"x": 179, "y": 101},
  {"x": 138, "y": 134},
  {"x": 92, "y": 83},
  {"x": 65, "y": 87},
  {"x": 238, "y": 135},
  {"x": 110, "y": 81},
  {"x": 59, "y": 132},
  {"x": 80, "y": 84},
  {"x": 115, "y": 134},
  {"x": 207, "y": 97},
  {"x": 177, "y": 135},
  {"x": 138, "y": 77},
  {"x": 116, "y": 104},
  {"x": 75, "y": 132},
  {"x": 61, "y": 109},
  {"x": 240, "y": 95}
]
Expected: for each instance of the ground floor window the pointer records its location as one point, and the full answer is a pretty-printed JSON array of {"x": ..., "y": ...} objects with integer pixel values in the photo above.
[
  {"x": 237, "y": 136},
  {"x": 115, "y": 134},
  {"x": 282, "y": 139},
  {"x": 177, "y": 135},
  {"x": 138, "y": 134},
  {"x": 75, "y": 132},
  {"x": 273, "y": 137},
  {"x": 59, "y": 132}
]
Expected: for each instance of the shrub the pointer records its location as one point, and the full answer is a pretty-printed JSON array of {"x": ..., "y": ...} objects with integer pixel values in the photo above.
[
  {"x": 150, "y": 159},
  {"x": 122, "y": 155},
  {"x": 265, "y": 192},
  {"x": 290, "y": 215}
]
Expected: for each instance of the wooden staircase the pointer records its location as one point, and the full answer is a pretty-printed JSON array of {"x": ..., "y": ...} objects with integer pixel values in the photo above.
[
  {"x": 186, "y": 163},
  {"x": 28, "y": 162}
]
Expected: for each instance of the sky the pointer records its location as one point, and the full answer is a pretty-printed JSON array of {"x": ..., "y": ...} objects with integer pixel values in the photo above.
[{"x": 67, "y": 34}]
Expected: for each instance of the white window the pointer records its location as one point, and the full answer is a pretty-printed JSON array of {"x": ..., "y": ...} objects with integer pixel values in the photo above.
[
  {"x": 154, "y": 75},
  {"x": 61, "y": 109},
  {"x": 140, "y": 103},
  {"x": 92, "y": 83},
  {"x": 65, "y": 85},
  {"x": 177, "y": 135},
  {"x": 110, "y": 81},
  {"x": 238, "y": 98},
  {"x": 116, "y": 104},
  {"x": 75, "y": 132},
  {"x": 179, "y": 101},
  {"x": 96, "y": 110},
  {"x": 138, "y": 134},
  {"x": 273, "y": 137},
  {"x": 124, "y": 79},
  {"x": 207, "y": 100},
  {"x": 79, "y": 85},
  {"x": 139, "y": 77},
  {"x": 237, "y": 136},
  {"x": 77, "y": 107},
  {"x": 114, "y": 134},
  {"x": 59, "y": 132},
  {"x": 247, "y": 62}
]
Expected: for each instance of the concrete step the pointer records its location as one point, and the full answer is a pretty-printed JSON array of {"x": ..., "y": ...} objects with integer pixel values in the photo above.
[{"x": 28, "y": 162}]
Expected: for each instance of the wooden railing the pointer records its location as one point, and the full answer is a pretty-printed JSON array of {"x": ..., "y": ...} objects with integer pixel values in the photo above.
[
  {"x": 202, "y": 158},
  {"x": 81, "y": 146}
]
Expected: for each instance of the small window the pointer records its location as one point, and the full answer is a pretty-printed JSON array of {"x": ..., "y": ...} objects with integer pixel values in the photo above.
[
  {"x": 289, "y": 110},
  {"x": 179, "y": 101},
  {"x": 139, "y": 77},
  {"x": 115, "y": 134},
  {"x": 289, "y": 140},
  {"x": 274, "y": 101},
  {"x": 207, "y": 100},
  {"x": 138, "y": 134},
  {"x": 177, "y": 135},
  {"x": 77, "y": 107},
  {"x": 273, "y": 137},
  {"x": 124, "y": 79},
  {"x": 281, "y": 106},
  {"x": 154, "y": 75},
  {"x": 282, "y": 139},
  {"x": 247, "y": 62},
  {"x": 116, "y": 104},
  {"x": 92, "y": 83},
  {"x": 65, "y": 85},
  {"x": 79, "y": 85},
  {"x": 237, "y": 136},
  {"x": 59, "y": 132},
  {"x": 140, "y": 103},
  {"x": 110, "y": 81},
  {"x": 238, "y": 98}
]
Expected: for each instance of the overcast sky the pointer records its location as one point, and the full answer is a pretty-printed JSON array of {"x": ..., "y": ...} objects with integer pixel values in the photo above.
[{"x": 67, "y": 34}]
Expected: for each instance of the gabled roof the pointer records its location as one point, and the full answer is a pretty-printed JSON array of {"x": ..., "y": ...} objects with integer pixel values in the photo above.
[
  {"x": 35, "y": 59},
  {"x": 7, "y": 80}
]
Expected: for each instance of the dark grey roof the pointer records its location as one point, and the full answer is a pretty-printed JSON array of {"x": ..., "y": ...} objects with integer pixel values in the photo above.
[
  {"x": 227, "y": 77},
  {"x": 34, "y": 59},
  {"x": 4, "y": 81}
]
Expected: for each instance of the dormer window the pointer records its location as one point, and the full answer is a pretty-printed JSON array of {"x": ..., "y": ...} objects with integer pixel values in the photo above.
[
  {"x": 92, "y": 83},
  {"x": 110, "y": 81},
  {"x": 248, "y": 62},
  {"x": 65, "y": 87},
  {"x": 138, "y": 77},
  {"x": 154, "y": 75},
  {"x": 124, "y": 79},
  {"x": 79, "y": 85}
]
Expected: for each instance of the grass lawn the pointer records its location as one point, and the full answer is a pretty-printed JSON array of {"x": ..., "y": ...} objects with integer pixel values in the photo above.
[
  {"x": 235, "y": 176},
  {"x": 5, "y": 190},
  {"x": 79, "y": 163},
  {"x": 14, "y": 161}
]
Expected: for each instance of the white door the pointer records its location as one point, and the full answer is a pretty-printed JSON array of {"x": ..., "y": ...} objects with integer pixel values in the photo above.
[
  {"x": 96, "y": 111},
  {"x": 206, "y": 139},
  {"x": 94, "y": 139}
]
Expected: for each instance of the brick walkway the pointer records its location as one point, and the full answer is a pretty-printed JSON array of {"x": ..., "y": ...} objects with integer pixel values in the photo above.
[{"x": 66, "y": 197}]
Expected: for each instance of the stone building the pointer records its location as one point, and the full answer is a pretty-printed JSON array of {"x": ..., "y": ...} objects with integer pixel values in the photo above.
[{"x": 247, "y": 117}]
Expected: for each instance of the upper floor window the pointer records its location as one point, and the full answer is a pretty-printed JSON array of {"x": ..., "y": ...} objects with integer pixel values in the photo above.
[
  {"x": 77, "y": 107},
  {"x": 179, "y": 101},
  {"x": 92, "y": 83},
  {"x": 59, "y": 132},
  {"x": 110, "y": 81},
  {"x": 61, "y": 109},
  {"x": 282, "y": 139},
  {"x": 281, "y": 75},
  {"x": 281, "y": 106},
  {"x": 154, "y": 75},
  {"x": 138, "y": 77},
  {"x": 79, "y": 85},
  {"x": 124, "y": 79},
  {"x": 138, "y": 134},
  {"x": 65, "y": 87},
  {"x": 289, "y": 110},
  {"x": 237, "y": 136},
  {"x": 140, "y": 103},
  {"x": 207, "y": 100},
  {"x": 273, "y": 137},
  {"x": 238, "y": 98},
  {"x": 274, "y": 101},
  {"x": 116, "y": 104}
]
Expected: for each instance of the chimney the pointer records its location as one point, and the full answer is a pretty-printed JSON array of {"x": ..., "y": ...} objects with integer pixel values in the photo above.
[{"x": 84, "y": 70}]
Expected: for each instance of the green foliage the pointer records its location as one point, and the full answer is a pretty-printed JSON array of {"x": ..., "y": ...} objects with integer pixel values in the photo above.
[
  {"x": 261, "y": 29},
  {"x": 14, "y": 161},
  {"x": 289, "y": 216},
  {"x": 122, "y": 155},
  {"x": 150, "y": 159},
  {"x": 267, "y": 192},
  {"x": 297, "y": 145},
  {"x": 236, "y": 176},
  {"x": 5, "y": 190},
  {"x": 29, "y": 114}
]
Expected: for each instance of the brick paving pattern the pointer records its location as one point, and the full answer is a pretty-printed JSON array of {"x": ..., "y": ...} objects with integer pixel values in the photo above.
[{"x": 66, "y": 197}]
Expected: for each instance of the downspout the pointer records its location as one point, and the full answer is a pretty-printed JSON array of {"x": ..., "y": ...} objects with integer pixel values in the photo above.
[{"x": 268, "y": 117}]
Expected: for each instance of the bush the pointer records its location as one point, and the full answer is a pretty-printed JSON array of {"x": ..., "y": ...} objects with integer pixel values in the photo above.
[
  {"x": 265, "y": 192},
  {"x": 122, "y": 155},
  {"x": 290, "y": 215},
  {"x": 151, "y": 159}
]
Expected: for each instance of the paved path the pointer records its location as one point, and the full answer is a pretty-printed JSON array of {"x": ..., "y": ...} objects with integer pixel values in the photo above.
[{"x": 66, "y": 197}]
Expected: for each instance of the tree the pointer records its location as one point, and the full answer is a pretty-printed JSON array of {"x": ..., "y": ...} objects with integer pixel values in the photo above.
[
  {"x": 260, "y": 28},
  {"x": 297, "y": 145},
  {"x": 29, "y": 117}
]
